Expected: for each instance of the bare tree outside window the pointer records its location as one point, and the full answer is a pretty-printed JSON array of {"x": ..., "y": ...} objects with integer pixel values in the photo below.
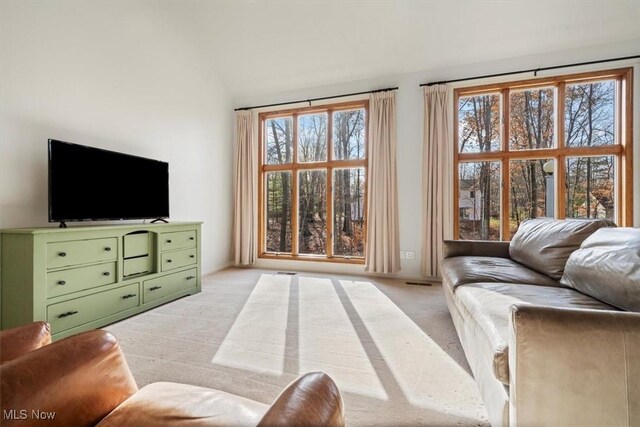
[
  {"x": 348, "y": 211},
  {"x": 278, "y": 218},
  {"x": 325, "y": 181},
  {"x": 478, "y": 127},
  {"x": 312, "y": 211}
]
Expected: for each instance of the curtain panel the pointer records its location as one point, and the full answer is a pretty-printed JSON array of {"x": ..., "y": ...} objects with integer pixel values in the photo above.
[
  {"x": 383, "y": 242},
  {"x": 244, "y": 243},
  {"x": 437, "y": 188}
]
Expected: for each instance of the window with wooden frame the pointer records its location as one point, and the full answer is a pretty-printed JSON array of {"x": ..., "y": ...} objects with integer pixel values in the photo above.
[
  {"x": 312, "y": 183},
  {"x": 549, "y": 147}
]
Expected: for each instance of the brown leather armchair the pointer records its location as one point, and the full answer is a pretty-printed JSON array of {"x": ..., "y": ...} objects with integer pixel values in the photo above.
[{"x": 84, "y": 380}]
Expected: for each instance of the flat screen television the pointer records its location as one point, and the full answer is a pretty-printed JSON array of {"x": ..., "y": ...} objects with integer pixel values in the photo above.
[{"x": 91, "y": 184}]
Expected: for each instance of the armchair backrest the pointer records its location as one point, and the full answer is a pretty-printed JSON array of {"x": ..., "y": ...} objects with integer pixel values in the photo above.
[
  {"x": 311, "y": 400},
  {"x": 77, "y": 381},
  {"x": 19, "y": 341}
]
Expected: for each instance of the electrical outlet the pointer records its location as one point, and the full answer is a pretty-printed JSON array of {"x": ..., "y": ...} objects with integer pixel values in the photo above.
[
  {"x": 410, "y": 255},
  {"x": 402, "y": 255}
]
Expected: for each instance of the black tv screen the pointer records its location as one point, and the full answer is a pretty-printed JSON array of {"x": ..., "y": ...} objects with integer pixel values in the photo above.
[{"x": 87, "y": 183}]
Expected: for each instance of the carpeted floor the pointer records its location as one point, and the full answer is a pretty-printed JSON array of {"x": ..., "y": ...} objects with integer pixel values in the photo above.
[{"x": 390, "y": 347}]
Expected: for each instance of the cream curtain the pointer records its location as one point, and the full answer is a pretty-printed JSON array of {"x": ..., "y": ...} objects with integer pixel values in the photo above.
[
  {"x": 383, "y": 246},
  {"x": 245, "y": 224},
  {"x": 437, "y": 163}
]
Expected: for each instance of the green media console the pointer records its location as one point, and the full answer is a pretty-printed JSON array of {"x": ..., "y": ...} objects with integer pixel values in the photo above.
[{"x": 81, "y": 278}]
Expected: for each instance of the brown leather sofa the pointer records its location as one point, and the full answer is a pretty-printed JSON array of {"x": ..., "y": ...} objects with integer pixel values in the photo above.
[
  {"x": 550, "y": 322},
  {"x": 84, "y": 380}
]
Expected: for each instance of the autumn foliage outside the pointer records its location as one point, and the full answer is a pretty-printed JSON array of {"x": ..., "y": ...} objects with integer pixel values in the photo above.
[{"x": 589, "y": 121}]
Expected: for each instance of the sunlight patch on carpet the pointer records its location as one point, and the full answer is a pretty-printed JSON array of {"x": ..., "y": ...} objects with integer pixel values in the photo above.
[
  {"x": 257, "y": 339},
  {"x": 328, "y": 340},
  {"x": 427, "y": 375}
]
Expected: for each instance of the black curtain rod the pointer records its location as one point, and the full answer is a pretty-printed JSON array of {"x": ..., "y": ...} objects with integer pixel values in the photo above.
[
  {"x": 532, "y": 70},
  {"x": 316, "y": 99}
]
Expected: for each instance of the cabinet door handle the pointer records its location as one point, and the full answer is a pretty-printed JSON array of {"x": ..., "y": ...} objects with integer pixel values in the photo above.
[
  {"x": 68, "y": 313},
  {"x": 168, "y": 241},
  {"x": 108, "y": 249},
  {"x": 61, "y": 282},
  {"x": 62, "y": 254},
  {"x": 190, "y": 277},
  {"x": 192, "y": 256},
  {"x": 192, "y": 238},
  {"x": 106, "y": 273},
  {"x": 155, "y": 288},
  {"x": 129, "y": 296},
  {"x": 168, "y": 260}
]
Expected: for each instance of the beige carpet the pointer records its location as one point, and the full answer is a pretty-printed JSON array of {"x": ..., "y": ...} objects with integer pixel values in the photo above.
[{"x": 390, "y": 347}]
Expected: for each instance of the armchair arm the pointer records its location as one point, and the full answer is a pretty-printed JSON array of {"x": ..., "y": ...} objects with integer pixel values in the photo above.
[
  {"x": 311, "y": 400},
  {"x": 574, "y": 367},
  {"x": 18, "y": 341},
  {"x": 453, "y": 248},
  {"x": 80, "y": 378}
]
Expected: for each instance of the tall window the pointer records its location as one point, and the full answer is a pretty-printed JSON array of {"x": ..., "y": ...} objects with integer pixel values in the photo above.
[
  {"x": 554, "y": 147},
  {"x": 312, "y": 179}
]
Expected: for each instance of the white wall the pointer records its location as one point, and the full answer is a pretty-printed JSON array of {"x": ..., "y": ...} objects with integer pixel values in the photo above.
[
  {"x": 119, "y": 76},
  {"x": 410, "y": 129}
]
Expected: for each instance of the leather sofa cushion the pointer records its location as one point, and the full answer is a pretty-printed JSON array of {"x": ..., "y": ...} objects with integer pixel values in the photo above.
[
  {"x": 545, "y": 244},
  {"x": 162, "y": 403},
  {"x": 607, "y": 267},
  {"x": 473, "y": 269},
  {"x": 486, "y": 307}
]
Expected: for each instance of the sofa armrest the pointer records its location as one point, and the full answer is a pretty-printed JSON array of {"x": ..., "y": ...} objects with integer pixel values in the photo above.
[
  {"x": 81, "y": 379},
  {"x": 19, "y": 341},
  {"x": 453, "y": 248},
  {"x": 311, "y": 400},
  {"x": 573, "y": 367}
]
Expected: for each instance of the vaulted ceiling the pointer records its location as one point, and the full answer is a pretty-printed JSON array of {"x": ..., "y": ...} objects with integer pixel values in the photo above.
[{"x": 268, "y": 46}]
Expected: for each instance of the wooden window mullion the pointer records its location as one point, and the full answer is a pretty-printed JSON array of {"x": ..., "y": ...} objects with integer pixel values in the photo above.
[
  {"x": 294, "y": 189},
  {"x": 504, "y": 199},
  {"x": 456, "y": 167},
  {"x": 625, "y": 169},
  {"x": 262, "y": 235},
  {"x": 329, "y": 185},
  {"x": 560, "y": 197}
]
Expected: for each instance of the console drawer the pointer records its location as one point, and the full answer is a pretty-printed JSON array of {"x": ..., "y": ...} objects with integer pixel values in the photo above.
[
  {"x": 178, "y": 240},
  {"x": 136, "y": 265},
  {"x": 69, "y": 314},
  {"x": 170, "y": 284},
  {"x": 74, "y": 252},
  {"x": 136, "y": 245},
  {"x": 177, "y": 259},
  {"x": 64, "y": 282}
]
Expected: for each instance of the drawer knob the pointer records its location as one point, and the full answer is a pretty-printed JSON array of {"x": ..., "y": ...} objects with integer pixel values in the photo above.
[
  {"x": 192, "y": 256},
  {"x": 68, "y": 313},
  {"x": 61, "y": 282},
  {"x": 168, "y": 241},
  {"x": 168, "y": 260},
  {"x": 108, "y": 249},
  {"x": 190, "y": 277},
  {"x": 155, "y": 288},
  {"x": 106, "y": 273},
  {"x": 192, "y": 238},
  {"x": 62, "y": 254},
  {"x": 128, "y": 296}
]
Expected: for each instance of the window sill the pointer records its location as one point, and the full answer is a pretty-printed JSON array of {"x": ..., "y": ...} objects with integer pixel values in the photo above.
[{"x": 315, "y": 258}]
